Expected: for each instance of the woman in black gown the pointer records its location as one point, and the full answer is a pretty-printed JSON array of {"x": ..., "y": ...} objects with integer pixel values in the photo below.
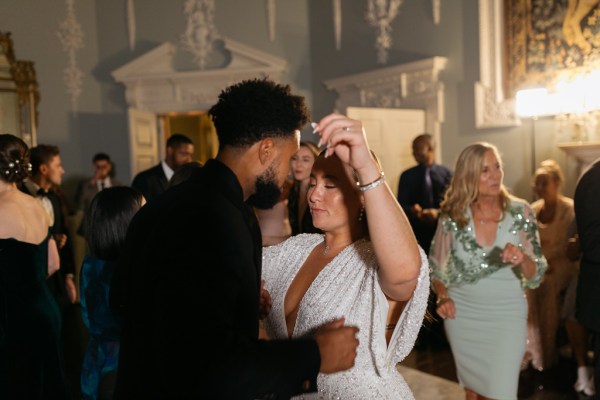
[{"x": 30, "y": 350}]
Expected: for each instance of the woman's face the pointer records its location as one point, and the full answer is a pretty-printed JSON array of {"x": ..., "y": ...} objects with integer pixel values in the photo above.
[
  {"x": 332, "y": 195},
  {"x": 545, "y": 187},
  {"x": 302, "y": 163},
  {"x": 490, "y": 179}
]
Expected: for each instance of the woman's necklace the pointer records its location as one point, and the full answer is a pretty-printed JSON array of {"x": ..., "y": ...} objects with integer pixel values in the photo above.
[
  {"x": 483, "y": 218},
  {"x": 327, "y": 248}
]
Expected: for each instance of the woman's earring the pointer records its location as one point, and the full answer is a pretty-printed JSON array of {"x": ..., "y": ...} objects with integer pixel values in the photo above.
[{"x": 361, "y": 214}]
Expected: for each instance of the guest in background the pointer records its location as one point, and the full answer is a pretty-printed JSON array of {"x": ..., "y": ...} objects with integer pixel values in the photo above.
[
  {"x": 587, "y": 214},
  {"x": 554, "y": 213},
  {"x": 183, "y": 173},
  {"x": 367, "y": 252},
  {"x": 485, "y": 251},
  {"x": 30, "y": 322},
  {"x": 154, "y": 181},
  {"x": 44, "y": 185},
  {"x": 301, "y": 164},
  {"x": 103, "y": 178},
  {"x": 274, "y": 222},
  {"x": 107, "y": 218},
  {"x": 420, "y": 190}
]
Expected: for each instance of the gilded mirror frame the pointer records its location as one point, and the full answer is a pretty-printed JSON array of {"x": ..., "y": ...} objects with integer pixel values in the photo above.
[{"x": 19, "y": 94}]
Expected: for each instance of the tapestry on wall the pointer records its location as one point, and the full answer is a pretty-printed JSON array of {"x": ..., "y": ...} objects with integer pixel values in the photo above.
[{"x": 549, "y": 40}]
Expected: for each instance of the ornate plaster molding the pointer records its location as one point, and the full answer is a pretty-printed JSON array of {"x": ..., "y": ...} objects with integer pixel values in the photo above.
[
  {"x": 413, "y": 85},
  {"x": 492, "y": 110}
]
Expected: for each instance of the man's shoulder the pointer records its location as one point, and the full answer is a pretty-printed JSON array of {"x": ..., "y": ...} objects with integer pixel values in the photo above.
[
  {"x": 152, "y": 171},
  {"x": 410, "y": 171},
  {"x": 442, "y": 168}
]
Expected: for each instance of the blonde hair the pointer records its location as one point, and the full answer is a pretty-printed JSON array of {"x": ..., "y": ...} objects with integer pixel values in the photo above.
[
  {"x": 464, "y": 186},
  {"x": 552, "y": 169}
]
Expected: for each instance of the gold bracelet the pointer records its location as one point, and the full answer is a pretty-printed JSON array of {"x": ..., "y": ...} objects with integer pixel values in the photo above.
[
  {"x": 374, "y": 184},
  {"x": 390, "y": 326}
]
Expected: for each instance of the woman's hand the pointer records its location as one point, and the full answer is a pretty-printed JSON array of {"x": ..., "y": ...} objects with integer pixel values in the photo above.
[
  {"x": 445, "y": 308},
  {"x": 265, "y": 303},
  {"x": 512, "y": 255},
  {"x": 347, "y": 139}
]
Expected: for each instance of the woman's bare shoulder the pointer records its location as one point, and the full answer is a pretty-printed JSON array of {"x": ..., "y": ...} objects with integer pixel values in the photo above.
[{"x": 22, "y": 216}]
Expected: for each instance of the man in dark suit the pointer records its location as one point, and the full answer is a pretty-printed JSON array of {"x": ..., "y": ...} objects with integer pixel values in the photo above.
[
  {"x": 46, "y": 177},
  {"x": 88, "y": 188},
  {"x": 587, "y": 214},
  {"x": 421, "y": 189},
  {"x": 420, "y": 192},
  {"x": 154, "y": 181},
  {"x": 188, "y": 284}
]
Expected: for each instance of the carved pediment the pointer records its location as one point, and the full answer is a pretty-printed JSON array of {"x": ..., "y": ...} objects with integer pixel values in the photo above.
[{"x": 152, "y": 82}]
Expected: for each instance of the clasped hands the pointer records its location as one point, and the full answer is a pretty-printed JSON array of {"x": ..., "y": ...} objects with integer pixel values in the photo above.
[
  {"x": 429, "y": 215},
  {"x": 337, "y": 342}
]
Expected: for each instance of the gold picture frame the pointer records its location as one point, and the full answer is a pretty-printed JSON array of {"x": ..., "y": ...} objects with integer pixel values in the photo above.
[{"x": 19, "y": 94}]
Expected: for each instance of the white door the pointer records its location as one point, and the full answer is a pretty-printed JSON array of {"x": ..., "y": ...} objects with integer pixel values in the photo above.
[
  {"x": 143, "y": 140},
  {"x": 390, "y": 132}
]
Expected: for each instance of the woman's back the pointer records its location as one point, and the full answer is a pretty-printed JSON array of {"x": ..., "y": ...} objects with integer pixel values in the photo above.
[
  {"x": 30, "y": 355},
  {"x": 23, "y": 218}
]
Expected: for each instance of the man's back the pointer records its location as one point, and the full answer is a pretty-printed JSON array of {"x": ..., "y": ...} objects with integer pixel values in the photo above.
[
  {"x": 191, "y": 299},
  {"x": 587, "y": 214}
]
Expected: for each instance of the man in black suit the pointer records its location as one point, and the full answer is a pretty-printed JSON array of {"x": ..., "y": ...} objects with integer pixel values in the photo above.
[
  {"x": 46, "y": 177},
  {"x": 188, "y": 284},
  {"x": 587, "y": 214},
  {"x": 420, "y": 192},
  {"x": 154, "y": 181}
]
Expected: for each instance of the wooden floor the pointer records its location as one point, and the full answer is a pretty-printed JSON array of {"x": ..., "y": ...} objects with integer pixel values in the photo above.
[{"x": 432, "y": 355}]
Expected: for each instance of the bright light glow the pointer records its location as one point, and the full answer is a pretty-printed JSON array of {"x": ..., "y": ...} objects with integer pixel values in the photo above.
[
  {"x": 575, "y": 96},
  {"x": 536, "y": 102}
]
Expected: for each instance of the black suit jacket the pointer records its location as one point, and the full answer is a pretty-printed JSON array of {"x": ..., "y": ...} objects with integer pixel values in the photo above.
[
  {"x": 410, "y": 192},
  {"x": 151, "y": 182},
  {"x": 587, "y": 214},
  {"x": 187, "y": 287}
]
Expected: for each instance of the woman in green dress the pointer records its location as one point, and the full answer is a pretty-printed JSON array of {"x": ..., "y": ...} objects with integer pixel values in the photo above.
[
  {"x": 30, "y": 349},
  {"x": 485, "y": 252}
]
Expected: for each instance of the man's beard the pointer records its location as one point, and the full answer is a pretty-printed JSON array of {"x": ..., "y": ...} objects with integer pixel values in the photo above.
[{"x": 267, "y": 190}]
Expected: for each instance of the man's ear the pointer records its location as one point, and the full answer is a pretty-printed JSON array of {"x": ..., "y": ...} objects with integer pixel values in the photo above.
[
  {"x": 43, "y": 169},
  {"x": 266, "y": 150}
]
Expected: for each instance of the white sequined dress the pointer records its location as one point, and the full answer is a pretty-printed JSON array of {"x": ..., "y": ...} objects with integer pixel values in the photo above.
[{"x": 348, "y": 286}]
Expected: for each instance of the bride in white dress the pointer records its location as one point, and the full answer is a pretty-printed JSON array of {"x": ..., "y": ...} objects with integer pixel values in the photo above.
[{"x": 350, "y": 269}]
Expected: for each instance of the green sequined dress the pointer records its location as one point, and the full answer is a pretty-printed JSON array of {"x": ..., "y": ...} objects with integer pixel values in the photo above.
[{"x": 488, "y": 335}]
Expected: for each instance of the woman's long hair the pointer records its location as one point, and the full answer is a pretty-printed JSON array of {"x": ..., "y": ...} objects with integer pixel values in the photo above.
[
  {"x": 108, "y": 218},
  {"x": 464, "y": 186}
]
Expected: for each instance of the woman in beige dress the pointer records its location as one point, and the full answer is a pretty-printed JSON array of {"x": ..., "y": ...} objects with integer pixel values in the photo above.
[
  {"x": 554, "y": 215},
  {"x": 554, "y": 299}
]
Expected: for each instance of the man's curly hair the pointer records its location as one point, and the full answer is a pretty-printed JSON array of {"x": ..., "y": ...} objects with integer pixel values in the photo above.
[{"x": 252, "y": 110}]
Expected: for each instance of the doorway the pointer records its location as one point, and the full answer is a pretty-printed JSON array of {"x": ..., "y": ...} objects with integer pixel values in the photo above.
[
  {"x": 390, "y": 132},
  {"x": 196, "y": 125}
]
